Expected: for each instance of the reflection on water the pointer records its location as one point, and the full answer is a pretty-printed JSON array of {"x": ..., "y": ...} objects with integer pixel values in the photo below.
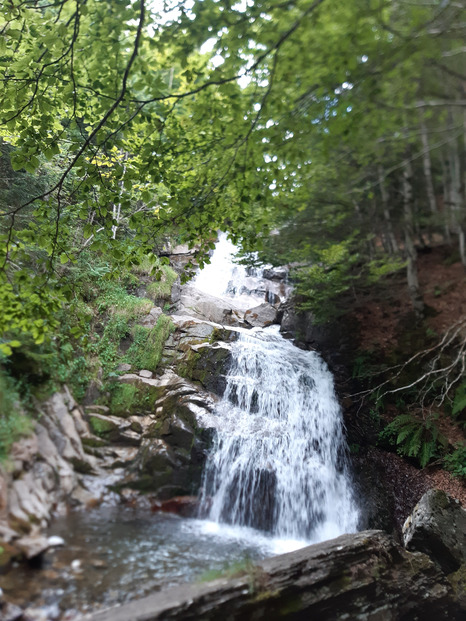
[{"x": 113, "y": 555}]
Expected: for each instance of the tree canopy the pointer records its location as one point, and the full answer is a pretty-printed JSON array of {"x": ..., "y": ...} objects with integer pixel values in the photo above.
[{"x": 340, "y": 123}]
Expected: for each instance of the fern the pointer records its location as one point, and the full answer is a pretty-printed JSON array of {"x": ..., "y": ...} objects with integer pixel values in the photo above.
[
  {"x": 415, "y": 437},
  {"x": 456, "y": 462}
]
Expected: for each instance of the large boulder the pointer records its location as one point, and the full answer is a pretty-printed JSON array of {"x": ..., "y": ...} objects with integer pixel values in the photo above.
[
  {"x": 261, "y": 316},
  {"x": 437, "y": 526},
  {"x": 208, "y": 307}
]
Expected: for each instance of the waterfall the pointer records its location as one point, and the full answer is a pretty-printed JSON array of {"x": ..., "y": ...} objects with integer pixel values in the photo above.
[{"x": 279, "y": 460}]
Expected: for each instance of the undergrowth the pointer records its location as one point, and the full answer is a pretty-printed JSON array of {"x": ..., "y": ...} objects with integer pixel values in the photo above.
[
  {"x": 415, "y": 437},
  {"x": 13, "y": 422}
]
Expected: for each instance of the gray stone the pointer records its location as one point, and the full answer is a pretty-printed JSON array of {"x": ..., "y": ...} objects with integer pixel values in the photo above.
[
  {"x": 145, "y": 373},
  {"x": 124, "y": 367},
  {"x": 437, "y": 527},
  {"x": 200, "y": 305},
  {"x": 261, "y": 316}
]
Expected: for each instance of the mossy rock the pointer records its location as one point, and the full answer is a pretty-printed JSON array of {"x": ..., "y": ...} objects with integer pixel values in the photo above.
[
  {"x": 93, "y": 442},
  {"x": 81, "y": 466},
  {"x": 101, "y": 425},
  {"x": 207, "y": 366},
  {"x": 130, "y": 399}
]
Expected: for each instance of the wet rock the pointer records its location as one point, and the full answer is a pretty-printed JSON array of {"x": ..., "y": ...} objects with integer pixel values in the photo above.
[
  {"x": 207, "y": 364},
  {"x": 437, "y": 527},
  {"x": 32, "y": 546},
  {"x": 10, "y": 612},
  {"x": 275, "y": 273},
  {"x": 261, "y": 316}
]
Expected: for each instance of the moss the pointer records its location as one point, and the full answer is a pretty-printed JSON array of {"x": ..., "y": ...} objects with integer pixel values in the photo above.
[
  {"x": 146, "y": 350},
  {"x": 93, "y": 442},
  {"x": 128, "y": 399},
  {"x": 160, "y": 290},
  {"x": 81, "y": 466},
  {"x": 458, "y": 582},
  {"x": 123, "y": 399},
  {"x": 101, "y": 426}
]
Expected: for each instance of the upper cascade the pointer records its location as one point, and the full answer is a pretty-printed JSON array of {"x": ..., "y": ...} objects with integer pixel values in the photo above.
[{"x": 246, "y": 287}]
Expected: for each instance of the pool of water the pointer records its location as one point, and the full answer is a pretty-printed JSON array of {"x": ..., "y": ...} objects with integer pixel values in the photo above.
[{"x": 113, "y": 555}]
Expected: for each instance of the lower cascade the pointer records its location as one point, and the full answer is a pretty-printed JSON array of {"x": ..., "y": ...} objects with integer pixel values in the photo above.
[{"x": 279, "y": 461}]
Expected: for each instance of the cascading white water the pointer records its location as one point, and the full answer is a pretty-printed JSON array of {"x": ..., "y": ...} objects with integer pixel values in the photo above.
[{"x": 279, "y": 461}]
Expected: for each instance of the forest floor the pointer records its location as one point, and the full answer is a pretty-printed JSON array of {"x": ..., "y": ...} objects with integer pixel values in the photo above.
[{"x": 387, "y": 326}]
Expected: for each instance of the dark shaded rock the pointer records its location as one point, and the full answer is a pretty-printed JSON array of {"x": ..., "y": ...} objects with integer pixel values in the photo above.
[
  {"x": 437, "y": 527},
  {"x": 361, "y": 577},
  {"x": 208, "y": 365},
  {"x": 275, "y": 273}
]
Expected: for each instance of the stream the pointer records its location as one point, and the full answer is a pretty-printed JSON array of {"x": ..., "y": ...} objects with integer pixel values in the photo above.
[{"x": 276, "y": 479}]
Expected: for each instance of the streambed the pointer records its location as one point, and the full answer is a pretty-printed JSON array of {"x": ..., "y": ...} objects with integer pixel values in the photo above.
[{"x": 115, "y": 554}]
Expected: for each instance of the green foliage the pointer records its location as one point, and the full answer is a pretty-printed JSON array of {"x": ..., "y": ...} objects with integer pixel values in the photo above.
[
  {"x": 415, "y": 437},
  {"x": 456, "y": 462},
  {"x": 324, "y": 281},
  {"x": 146, "y": 349},
  {"x": 459, "y": 401},
  {"x": 13, "y": 422}
]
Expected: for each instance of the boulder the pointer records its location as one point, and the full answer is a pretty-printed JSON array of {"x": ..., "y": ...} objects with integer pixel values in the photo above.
[
  {"x": 261, "y": 316},
  {"x": 437, "y": 527},
  {"x": 145, "y": 373},
  {"x": 195, "y": 303},
  {"x": 32, "y": 546}
]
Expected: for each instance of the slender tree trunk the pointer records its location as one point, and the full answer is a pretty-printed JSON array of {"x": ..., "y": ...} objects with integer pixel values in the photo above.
[
  {"x": 446, "y": 202},
  {"x": 411, "y": 254},
  {"x": 456, "y": 198},
  {"x": 389, "y": 233},
  {"x": 428, "y": 168}
]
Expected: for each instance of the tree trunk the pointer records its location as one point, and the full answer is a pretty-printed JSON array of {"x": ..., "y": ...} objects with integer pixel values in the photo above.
[
  {"x": 428, "y": 168},
  {"x": 390, "y": 235},
  {"x": 456, "y": 199},
  {"x": 411, "y": 253}
]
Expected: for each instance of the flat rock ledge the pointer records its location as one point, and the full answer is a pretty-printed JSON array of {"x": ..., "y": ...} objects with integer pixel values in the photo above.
[{"x": 364, "y": 577}]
